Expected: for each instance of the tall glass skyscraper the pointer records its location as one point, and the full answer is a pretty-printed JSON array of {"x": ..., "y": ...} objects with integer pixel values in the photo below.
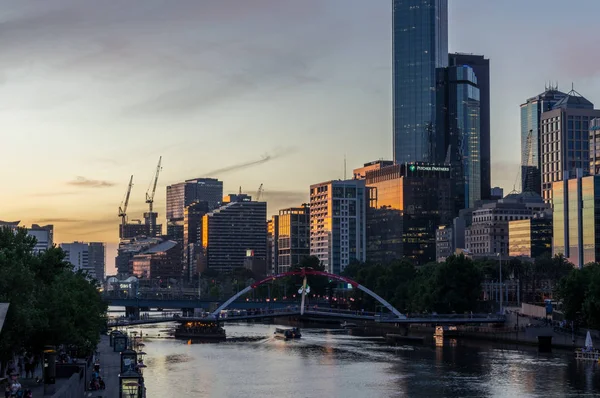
[
  {"x": 531, "y": 161},
  {"x": 459, "y": 131},
  {"x": 420, "y": 45}
]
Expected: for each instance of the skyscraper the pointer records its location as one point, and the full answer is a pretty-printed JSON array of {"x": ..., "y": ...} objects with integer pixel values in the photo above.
[
  {"x": 196, "y": 190},
  {"x": 97, "y": 259},
  {"x": 420, "y": 45},
  {"x": 458, "y": 126},
  {"x": 293, "y": 237},
  {"x": 565, "y": 140},
  {"x": 338, "y": 223},
  {"x": 531, "y": 113},
  {"x": 481, "y": 67}
]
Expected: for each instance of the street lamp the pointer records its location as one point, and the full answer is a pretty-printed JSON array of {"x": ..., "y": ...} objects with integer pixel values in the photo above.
[
  {"x": 500, "y": 281},
  {"x": 130, "y": 384}
]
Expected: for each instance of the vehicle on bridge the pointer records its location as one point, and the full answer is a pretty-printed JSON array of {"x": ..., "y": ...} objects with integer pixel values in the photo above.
[
  {"x": 205, "y": 330},
  {"x": 287, "y": 334}
]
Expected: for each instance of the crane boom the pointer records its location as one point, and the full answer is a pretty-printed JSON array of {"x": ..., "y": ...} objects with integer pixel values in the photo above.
[
  {"x": 259, "y": 193},
  {"x": 125, "y": 203},
  {"x": 150, "y": 197}
]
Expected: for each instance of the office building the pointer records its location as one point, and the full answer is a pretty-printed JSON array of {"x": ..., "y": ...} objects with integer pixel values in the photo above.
[
  {"x": 595, "y": 146},
  {"x": 566, "y": 139},
  {"x": 450, "y": 239},
  {"x": 530, "y": 238},
  {"x": 531, "y": 136},
  {"x": 481, "y": 67},
  {"x": 576, "y": 231},
  {"x": 127, "y": 249},
  {"x": 337, "y": 223},
  {"x": 361, "y": 172},
  {"x": 273, "y": 245},
  {"x": 44, "y": 236},
  {"x": 97, "y": 259},
  {"x": 419, "y": 47},
  {"x": 240, "y": 224},
  {"x": 459, "y": 131},
  {"x": 487, "y": 234},
  {"x": 183, "y": 194},
  {"x": 192, "y": 234},
  {"x": 161, "y": 263},
  {"x": 293, "y": 237},
  {"x": 497, "y": 193},
  {"x": 77, "y": 253},
  {"x": 407, "y": 203},
  {"x": 136, "y": 228}
]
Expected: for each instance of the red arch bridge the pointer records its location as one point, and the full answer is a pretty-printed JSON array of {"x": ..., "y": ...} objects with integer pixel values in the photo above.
[{"x": 394, "y": 316}]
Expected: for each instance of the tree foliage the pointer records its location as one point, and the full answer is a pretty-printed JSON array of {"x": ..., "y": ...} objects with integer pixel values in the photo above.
[
  {"x": 49, "y": 303},
  {"x": 580, "y": 294}
]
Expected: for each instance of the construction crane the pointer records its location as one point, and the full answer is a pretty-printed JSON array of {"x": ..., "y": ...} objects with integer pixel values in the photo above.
[
  {"x": 123, "y": 207},
  {"x": 259, "y": 192},
  {"x": 151, "y": 217}
]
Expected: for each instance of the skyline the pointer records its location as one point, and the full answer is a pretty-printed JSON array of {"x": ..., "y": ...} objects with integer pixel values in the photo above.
[{"x": 155, "y": 80}]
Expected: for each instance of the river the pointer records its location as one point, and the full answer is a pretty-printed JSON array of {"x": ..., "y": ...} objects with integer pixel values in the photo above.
[{"x": 331, "y": 363}]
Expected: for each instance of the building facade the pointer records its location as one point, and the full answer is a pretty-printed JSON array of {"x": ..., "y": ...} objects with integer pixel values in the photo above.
[
  {"x": 458, "y": 129},
  {"x": 229, "y": 231},
  {"x": 595, "y": 146},
  {"x": 44, "y": 236},
  {"x": 77, "y": 253},
  {"x": 481, "y": 67},
  {"x": 97, "y": 259},
  {"x": 183, "y": 194},
  {"x": 192, "y": 238},
  {"x": 337, "y": 223},
  {"x": 293, "y": 237},
  {"x": 419, "y": 46},
  {"x": 273, "y": 245},
  {"x": 566, "y": 140},
  {"x": 576, "y": 230},
  {"x": 531, "y": 137},
  {"x": 531, "y": 237},
  {"x": 128, "y": 248},
  {"x": 407, "y": 203},
  {"x": 160, "y": 263},
  {"x": 487, "y": 234}
]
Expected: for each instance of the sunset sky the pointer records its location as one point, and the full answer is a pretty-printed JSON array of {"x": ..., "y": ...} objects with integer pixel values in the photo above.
[{"x": 92, "y": 92}]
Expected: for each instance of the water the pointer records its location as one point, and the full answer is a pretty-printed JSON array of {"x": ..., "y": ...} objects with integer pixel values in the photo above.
[{"x": 330, "y": 363}]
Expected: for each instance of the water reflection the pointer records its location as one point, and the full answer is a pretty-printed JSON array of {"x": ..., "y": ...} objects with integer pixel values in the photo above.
[{"x": 333, "y": 364}]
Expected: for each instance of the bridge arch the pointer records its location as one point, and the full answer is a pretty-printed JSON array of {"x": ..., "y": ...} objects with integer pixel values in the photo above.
[{"x": 303, "y": 272}]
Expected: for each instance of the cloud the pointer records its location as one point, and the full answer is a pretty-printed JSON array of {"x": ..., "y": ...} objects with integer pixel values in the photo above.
[
  {"x": 52, "y": 194},
  {"x": 277, "y": 153},
  {"x": 87, "y": 183},
  {"x": 58, "y": 220}
]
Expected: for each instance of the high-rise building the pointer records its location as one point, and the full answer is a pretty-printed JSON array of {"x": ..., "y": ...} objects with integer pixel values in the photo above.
[
  {"x": 185, "y": 193},
  {"x": 576, "y": 232},
  {"x": 160, "y": 263},
  {"x": 97, "y": 259},
  {"x": 192, "y": 234},
  {"x": 566, "y": 139},
  {"x": 273, "y": 245},
  {"x": 481, "y": 66},
  {"x": 337, "y": 223},
  {"x": 229, "y": 231},
  {"x": 407, "y": 202},
  {"x": 77, "y": 253},
  {"x": 497, "y": 193},
  {"x": 595, "y": 146},
  {"x": 532, "y": 237},
  {"x": 420, "y": 46},
  {"x": 128, "y": 248},
  {"x": 293, "y": 236},
  {"x": 531, "y": 136},
  {"x": 459, "y": 131},
  {"x": 44, "y": 236}
]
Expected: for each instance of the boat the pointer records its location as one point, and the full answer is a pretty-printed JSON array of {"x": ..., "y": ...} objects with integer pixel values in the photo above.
[
  {"x": 200, "y": 330},
  {"x": 348, "y": 325},
  {"x": 287, "y": 334},
  {"x": 587, "y": 353}
]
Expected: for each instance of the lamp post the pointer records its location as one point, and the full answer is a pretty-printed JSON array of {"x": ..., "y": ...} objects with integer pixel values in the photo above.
[{"x": 500, "y": 281}]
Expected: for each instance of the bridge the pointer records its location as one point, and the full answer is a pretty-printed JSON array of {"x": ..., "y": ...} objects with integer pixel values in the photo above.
[{"x": 303, "y": 310}]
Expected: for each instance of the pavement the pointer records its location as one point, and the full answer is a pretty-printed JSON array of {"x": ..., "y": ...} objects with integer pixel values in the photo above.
[{"x": 110, "y": 366}]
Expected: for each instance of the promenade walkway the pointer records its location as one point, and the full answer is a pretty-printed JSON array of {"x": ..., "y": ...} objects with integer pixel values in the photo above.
[{"x": 110, "y": 366}]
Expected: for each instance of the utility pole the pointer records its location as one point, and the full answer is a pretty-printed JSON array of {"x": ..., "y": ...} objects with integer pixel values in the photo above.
[{"x": 500, "y": 281}]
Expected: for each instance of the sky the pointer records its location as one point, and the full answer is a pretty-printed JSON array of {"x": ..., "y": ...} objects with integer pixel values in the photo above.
[{"x": 93, "y": 92}]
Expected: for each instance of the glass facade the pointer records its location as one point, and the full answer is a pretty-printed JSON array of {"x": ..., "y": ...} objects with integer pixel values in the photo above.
[
  {"x": 577, "y": 219},
  {"x": 420, "y": 45},
  {"x": 530, "y": 238},
  {"x": 180, "y": 195},
  {"x": 407, "y": 204},
  {"x": 531, "y": 112},
  {"x": 294, "y": 237}
]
